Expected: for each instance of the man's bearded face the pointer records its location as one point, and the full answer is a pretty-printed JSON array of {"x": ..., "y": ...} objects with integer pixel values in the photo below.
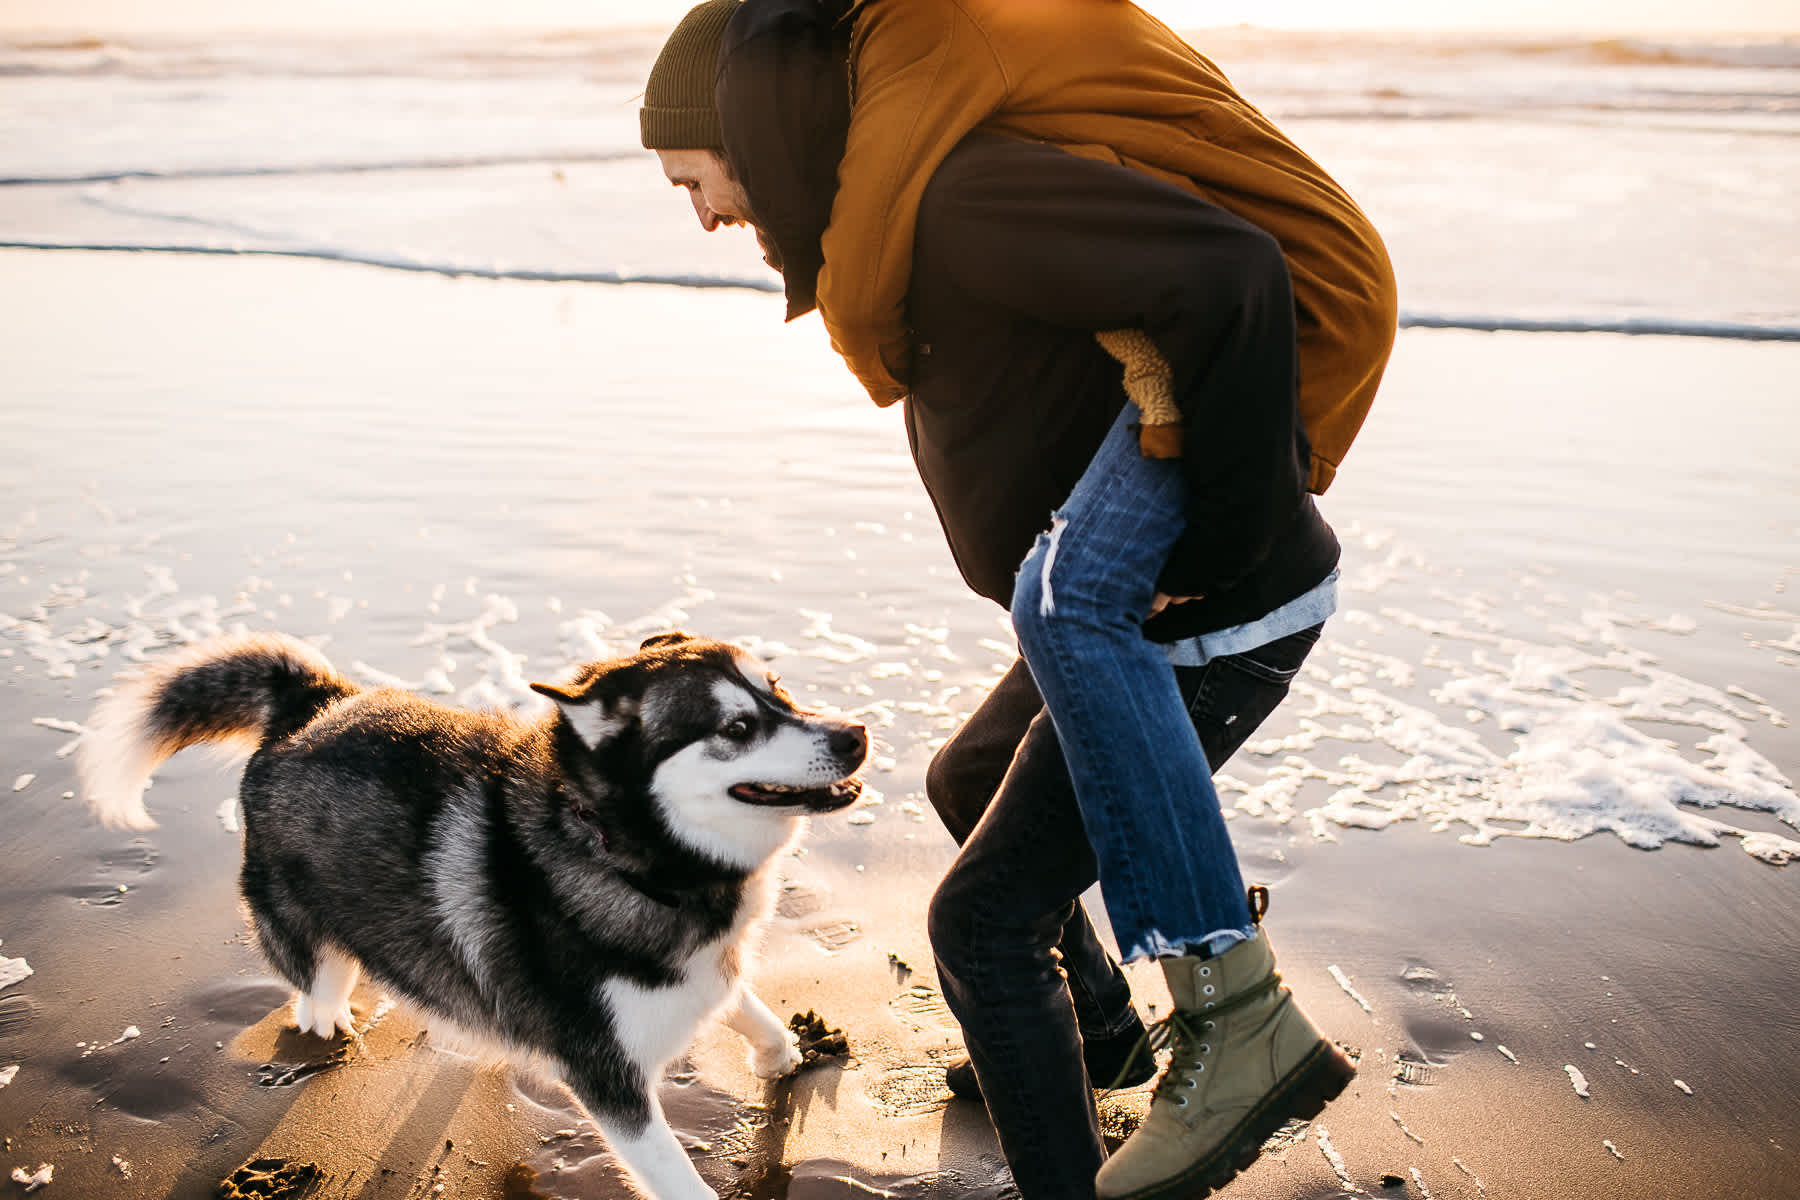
[{"x": 717, "y": 196}]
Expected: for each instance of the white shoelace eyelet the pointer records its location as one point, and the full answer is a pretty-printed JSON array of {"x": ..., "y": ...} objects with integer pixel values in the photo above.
[
  {"x": 1205, "y": 1049},
  {"x": 1208, "y": 989}
]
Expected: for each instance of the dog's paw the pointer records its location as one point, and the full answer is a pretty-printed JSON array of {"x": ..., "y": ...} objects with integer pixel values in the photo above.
[
  {"x": 314, "y": 1019},
  {"x": 775, "y": 1061}
]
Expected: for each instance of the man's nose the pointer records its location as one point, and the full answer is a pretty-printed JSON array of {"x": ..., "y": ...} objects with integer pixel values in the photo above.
[{"x": 709, "y": 220}]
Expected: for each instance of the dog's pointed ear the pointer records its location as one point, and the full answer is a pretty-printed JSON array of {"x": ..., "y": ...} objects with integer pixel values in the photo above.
[
  {"x": 596, "y": 711},
  {"x": 671, "y": 638},
  {"x": 560, "y": 695}
]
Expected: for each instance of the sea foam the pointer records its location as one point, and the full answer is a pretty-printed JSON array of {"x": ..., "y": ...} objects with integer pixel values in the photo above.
[{"x": 1528, "y": 736}]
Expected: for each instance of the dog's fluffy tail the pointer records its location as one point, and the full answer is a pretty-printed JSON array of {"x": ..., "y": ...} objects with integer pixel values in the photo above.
[{"x": 241, "y": 689}]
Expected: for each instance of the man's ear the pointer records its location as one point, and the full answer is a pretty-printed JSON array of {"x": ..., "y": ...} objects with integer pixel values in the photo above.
[
  {"x": 671, "y": 638},
  {"x": 596, "y": 712}
]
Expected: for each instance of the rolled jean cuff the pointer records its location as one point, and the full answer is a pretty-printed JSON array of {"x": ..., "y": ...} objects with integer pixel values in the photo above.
[{"x": 1155, "y": 945}]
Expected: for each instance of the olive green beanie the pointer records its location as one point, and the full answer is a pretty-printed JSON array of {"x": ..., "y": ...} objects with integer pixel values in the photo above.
[{"x": 678, "y": 112}]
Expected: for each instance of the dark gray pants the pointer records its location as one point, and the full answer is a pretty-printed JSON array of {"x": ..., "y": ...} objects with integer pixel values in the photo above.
[{"x": 1017, "y": 957}]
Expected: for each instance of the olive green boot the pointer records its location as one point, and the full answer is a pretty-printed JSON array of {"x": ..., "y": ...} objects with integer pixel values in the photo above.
[{"x": 1246, "y": 1061}]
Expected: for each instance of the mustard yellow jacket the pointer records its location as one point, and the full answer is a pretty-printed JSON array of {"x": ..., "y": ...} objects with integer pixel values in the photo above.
[{"x": 1103, "y": 79}]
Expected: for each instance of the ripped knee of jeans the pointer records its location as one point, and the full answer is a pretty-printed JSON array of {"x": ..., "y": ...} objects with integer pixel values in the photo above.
[{"x": 1046, "y": 603}]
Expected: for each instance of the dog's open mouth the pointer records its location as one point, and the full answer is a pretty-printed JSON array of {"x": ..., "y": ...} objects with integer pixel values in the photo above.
[{"x": 819, "y": 799}]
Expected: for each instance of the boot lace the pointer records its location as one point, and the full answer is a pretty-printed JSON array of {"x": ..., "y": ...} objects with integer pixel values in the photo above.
[{"x": 1183, "y": 1033}]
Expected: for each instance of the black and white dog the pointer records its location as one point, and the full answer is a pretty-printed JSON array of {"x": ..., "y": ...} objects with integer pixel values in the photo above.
[{"x": 584, "y": 886}]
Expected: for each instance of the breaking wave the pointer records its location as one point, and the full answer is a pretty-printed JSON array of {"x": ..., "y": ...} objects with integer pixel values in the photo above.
[
  {"x": 401, "y": 263},
  {"x": 1649, "y": 326},
  {"x": 448, "y": 163}
]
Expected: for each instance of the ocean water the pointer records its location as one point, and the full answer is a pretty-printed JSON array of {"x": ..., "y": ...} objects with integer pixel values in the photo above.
[
  {"x": 1608, "y": 185},
  {"x": 1581, "y": 184},
  {"x": 1530, "y": 183}
]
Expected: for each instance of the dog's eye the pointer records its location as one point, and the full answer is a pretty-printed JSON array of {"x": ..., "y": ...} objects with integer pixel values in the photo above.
[{"x": 738, "y": 729}]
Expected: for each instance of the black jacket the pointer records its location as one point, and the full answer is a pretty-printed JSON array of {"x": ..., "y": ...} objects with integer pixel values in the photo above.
[{"x": 1022, "y": 252}]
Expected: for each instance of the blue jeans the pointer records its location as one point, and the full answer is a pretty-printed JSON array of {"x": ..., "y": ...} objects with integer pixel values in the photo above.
[
  {"x": 1017, "y": 958},
  {"x": 1167, "y": 868}
]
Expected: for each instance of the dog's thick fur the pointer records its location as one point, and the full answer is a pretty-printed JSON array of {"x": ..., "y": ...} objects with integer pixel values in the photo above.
[{"x": 582, "y": 886}]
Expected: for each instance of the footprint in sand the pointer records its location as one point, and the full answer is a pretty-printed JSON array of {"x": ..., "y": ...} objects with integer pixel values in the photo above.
[
  {"x": 114, "y": 873},
  {"x": 833, "y": 936},
  {"x": 911, "y": 1091},
  {"x": 920, "y": 1008},
  {"x": 1437, "y": 1037},
  {"x": 16, "y": 1013},
  {"x": 1415, "y": 1071},
  {"x": 798, "y": 900},
  {"x": 305, "y": 1056},
  {"x": 1436, "y": 1024}
]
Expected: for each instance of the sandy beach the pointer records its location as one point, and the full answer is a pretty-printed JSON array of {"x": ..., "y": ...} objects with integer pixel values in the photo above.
[{"x": 1567, "y": 651}]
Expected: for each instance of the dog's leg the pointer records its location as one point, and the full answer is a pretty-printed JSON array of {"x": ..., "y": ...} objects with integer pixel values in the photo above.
[
  {"x": 653, "y": 1156},
  {"x": 774, "y": 1052},
  {"x": 324, "y": 1007}
]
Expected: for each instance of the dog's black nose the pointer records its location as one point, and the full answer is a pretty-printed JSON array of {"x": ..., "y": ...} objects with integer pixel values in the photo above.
[{"x": 849, "y": 741}]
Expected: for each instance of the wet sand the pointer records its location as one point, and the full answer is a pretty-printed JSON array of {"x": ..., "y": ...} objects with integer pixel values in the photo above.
[{"x": 474, "y": 482}]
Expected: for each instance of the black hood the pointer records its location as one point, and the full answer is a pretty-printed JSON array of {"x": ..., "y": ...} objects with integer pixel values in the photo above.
[{"x": 783, "y": 93}]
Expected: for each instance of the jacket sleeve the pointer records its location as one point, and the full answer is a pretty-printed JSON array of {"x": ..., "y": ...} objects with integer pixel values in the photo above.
[
  {"x": 923, "y": 76},
  {"x": 1089, "y": 245}
]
